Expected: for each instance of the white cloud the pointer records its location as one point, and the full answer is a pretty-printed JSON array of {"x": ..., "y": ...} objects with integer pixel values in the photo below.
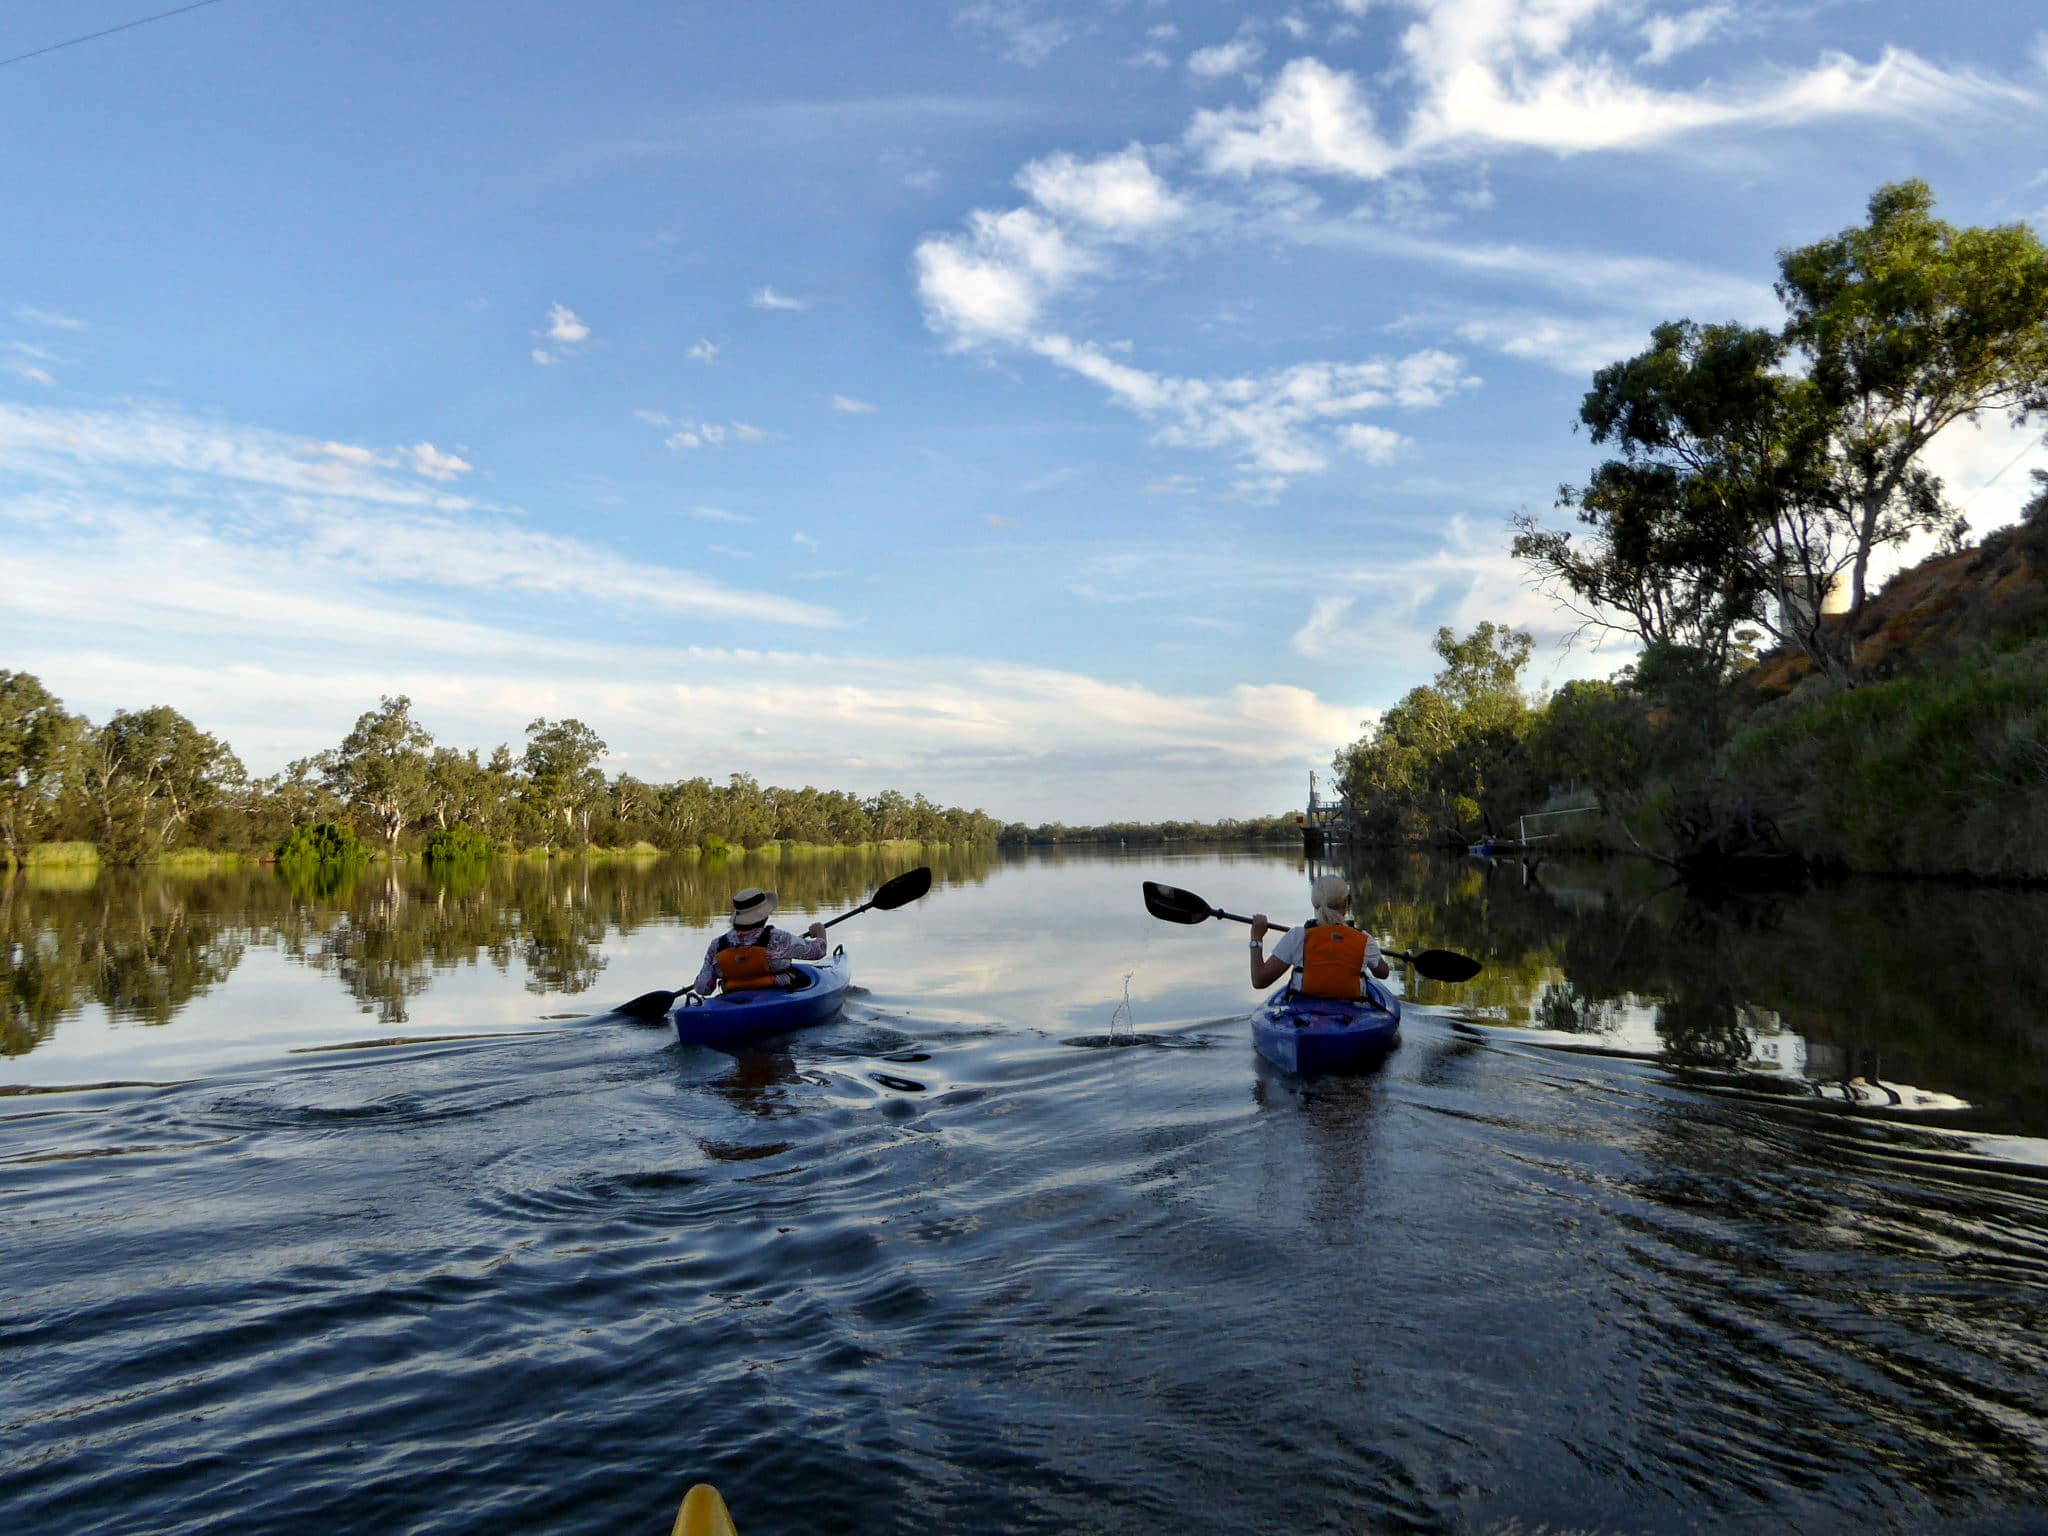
[
  {"x": 1278, "y": 422},
  {"x": 768, "y": 298},
  {"x": 991, "y": 282},
  {"x": 1164, "y": 32},
  {"x": 1490, "y": 74},
  {"x": 30, "y": 372},
  {"x": 1231, "y": 58},
  {"x": 851, "y": 406},
  {"x": 1573, "y": 346},
  {"x": 545, "y": 358},
  {"x": 703, "y": 351},
  {"x": 1172, "y": 485},
  {"x": 224, "y": 513},
  {"x": 1376, "y": 445},
  {"x": 1026, "y": 36},
  {"x": 28, "y": 314},
  {"x": 690, "y": 434},
  {"x": 1150, "y": 58},
  {"x": 998, "y": 521},
  {"x": 1117, "y": 194},
  {"x": 718, "y": 515},
  {"x": 435, "y": 465},
  {"x": 1665, "y": 37},
  {"x": 1319, "y": 638},
  {"x": 1295, "y": 25},
  {"x": 563, "y": 326},
  {"x": 1313, "y": 119},
  {"x": 804, "y": 540}
]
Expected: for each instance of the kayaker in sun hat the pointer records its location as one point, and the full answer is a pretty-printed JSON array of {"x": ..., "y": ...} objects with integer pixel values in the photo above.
[
  {"x": 753, "y": 953},
  {"x": 1326, "y": 953}
]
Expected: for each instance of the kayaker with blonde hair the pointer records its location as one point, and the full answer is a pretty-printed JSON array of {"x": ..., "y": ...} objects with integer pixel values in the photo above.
[
  {"x": 1327, "y": 954},
  {"x": 754, "y": 954}
]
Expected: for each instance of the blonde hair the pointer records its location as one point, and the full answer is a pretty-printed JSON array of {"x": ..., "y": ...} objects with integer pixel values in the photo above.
[{"x": 1325, "y": 896}]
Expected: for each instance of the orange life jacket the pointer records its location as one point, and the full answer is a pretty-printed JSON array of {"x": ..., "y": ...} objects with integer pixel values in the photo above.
[
  {"x": 743, "y": 967},
  {"x": 1332, "y": 960}
]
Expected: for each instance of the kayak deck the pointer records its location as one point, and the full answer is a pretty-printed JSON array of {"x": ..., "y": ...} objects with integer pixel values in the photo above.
[
  {"x": 769, "y": 1011},
  {"x": 1305, "y": 1035}
]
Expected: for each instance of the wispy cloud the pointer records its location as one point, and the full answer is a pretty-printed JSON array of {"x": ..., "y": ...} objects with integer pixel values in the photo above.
[
  {"x": 851, "y": 406},
  {"x": 1509, "y": 75},
  {"x": 804, "y": 540},
  {"x": 718, "y": 515},
  {"x": 228, "y": 499},
  {"x": 1666, "y": 37},
  {"x": 28, "y": 314},
  {"x": 1232, "y": 58},
  {"x": 690, "y": 434},
  {"x": 1026, "y": 34},
  {"x": 703, "y": 351},
  {"x": 435, "y": 465},
  {"x": 32, "y": 373},
  {"x": 768, "y": 298},
  {"x": 998, "y": 521},
  {"x": 1329, "y": 623}
]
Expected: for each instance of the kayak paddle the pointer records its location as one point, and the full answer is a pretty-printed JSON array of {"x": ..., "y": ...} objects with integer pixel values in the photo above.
[
  {"x": 889, "y": 895},
  {"x": 1171, "y": 904}
]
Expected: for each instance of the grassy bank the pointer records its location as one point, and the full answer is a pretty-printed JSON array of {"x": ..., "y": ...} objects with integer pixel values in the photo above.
[{"x": 1944, "y": 772}]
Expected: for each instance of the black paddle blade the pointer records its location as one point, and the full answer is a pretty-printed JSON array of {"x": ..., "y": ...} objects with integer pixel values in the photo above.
[
  {"x": 1171, "y": 904},
  {"x": 902, "y": 891},
  {"x": 1439, "y": 964},
  {"x": 648, "y": 1005}
]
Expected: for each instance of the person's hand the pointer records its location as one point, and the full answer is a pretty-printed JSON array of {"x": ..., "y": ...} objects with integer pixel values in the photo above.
[
  {"x": 815, "y": 931},
  {"x": 1260, "y": 927}
]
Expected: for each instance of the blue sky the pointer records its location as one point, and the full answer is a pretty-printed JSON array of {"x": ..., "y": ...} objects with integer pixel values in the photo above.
[{"x": 1076, "y": 411}]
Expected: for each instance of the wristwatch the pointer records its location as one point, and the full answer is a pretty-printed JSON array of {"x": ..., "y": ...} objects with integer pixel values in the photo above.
[{"x": 1256, "y": 943}]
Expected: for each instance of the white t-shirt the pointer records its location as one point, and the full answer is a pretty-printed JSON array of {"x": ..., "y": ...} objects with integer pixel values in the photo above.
[{"x": 1289, "y": 948}]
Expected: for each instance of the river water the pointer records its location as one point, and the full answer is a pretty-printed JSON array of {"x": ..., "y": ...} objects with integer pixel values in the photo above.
[{"x": 353, "y": 1211}]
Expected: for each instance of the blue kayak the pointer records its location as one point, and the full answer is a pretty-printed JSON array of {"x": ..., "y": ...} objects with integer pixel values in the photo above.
[
  {"x": 1314, "y": 1034},
  {"x": 739, "y": 1015}
]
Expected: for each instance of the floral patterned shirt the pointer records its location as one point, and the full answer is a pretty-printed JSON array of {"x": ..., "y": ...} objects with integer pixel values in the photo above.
[{"x": 782, "y": 948}]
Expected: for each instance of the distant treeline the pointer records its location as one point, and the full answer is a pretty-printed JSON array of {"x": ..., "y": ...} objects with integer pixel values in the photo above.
[
  {"x": 1254, "y": 829},
  {"x": 149, "y": 783}
]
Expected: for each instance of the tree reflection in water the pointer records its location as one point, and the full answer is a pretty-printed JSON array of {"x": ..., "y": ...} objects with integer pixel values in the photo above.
[{"x": 143, "y": 943}]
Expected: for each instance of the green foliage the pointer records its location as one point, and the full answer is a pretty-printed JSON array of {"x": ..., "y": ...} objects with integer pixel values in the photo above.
[
  {"x": 457, "y": 844},
  {"x": 325, "y": 842},
  {"x": 1756, "y": 470},
  {"x": 1449, "y": 760},
  {"x": 36, "y": 742},
  {"x": 147, "y": 773},
  {"x": 381, "y": 769},
  {"x": 1940, "y": 772}
]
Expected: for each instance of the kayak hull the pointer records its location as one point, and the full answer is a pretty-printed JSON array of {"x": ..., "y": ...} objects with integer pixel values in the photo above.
[
  {"x": 1306, "y": 1035},
  {"x": 734, "y": 1016}
]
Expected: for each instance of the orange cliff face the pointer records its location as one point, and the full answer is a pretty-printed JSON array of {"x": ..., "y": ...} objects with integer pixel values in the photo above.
[{"x": 1946, "y": 606}]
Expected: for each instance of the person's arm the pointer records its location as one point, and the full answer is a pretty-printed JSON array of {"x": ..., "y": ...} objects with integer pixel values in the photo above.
[
  {"x": 707, "y": 979},
  {"x": 1264, "y": 971},
  {"x": 1376, "y": 963},
  {"x": 811, "y": 946}
]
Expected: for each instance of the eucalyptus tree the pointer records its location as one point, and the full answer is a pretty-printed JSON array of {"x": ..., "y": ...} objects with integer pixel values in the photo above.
[
  {"x": 1908, "y": 325},
  {"x": 382, "y": 769},
  {"x": 562, "y": 781},
  {"x": 1450, "y": 754},
  {"x": 146, "y": 773},
  {"x": 36, "y": 741},
  {"x": 1756, "y": 470}
]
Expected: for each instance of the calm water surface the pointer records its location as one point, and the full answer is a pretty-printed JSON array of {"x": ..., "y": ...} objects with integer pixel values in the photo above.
[{"x": 352, "y": 1211}]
